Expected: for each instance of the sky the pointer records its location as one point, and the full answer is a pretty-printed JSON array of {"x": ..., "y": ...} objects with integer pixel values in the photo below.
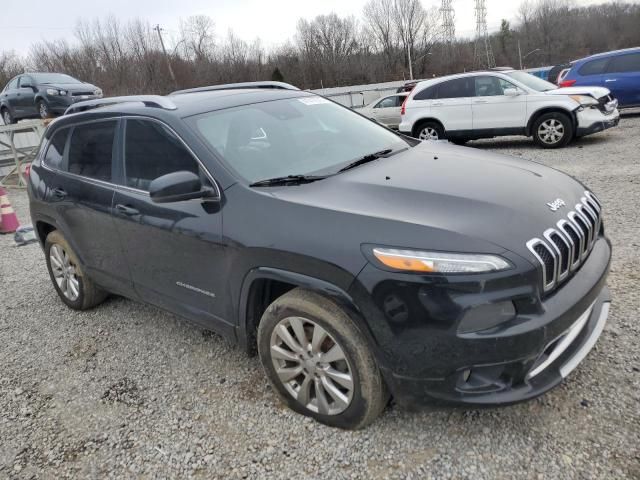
[{"x": 274, "y": 21}]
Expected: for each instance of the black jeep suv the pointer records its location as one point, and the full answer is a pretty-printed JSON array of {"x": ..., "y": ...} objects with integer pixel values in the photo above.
[
  {"x": 359, "y": 264},
  {"x": 42, "y": 95}
]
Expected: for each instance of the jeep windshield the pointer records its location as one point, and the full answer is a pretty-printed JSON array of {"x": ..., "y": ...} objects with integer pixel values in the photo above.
[
  {"x": 531, "y": 81},
  {"x": 293, "y": 138}
]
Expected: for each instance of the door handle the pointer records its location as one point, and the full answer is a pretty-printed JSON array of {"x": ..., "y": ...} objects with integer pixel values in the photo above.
[
  {"x": 59, "y": 193},
  {"x": 436, "y": 104},
  {"x": 129, "y": 211},
  {"x": 611, "y": 80},
  {"x": 481, "y": 101}
]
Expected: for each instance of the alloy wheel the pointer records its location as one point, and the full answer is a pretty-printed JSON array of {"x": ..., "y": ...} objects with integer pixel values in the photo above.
[
  {"x": 44, "y": 113},
  {"x": 64, "y": 272},
  {"x": 428, "y": 133},
  {"x": 311, "y": 365},
  {"x": 551, "y": 131}
]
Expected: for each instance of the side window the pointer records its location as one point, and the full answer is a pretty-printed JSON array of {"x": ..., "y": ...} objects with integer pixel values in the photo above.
[
  {"x": 13, "y": 84},
  {"x": 625, "y": 63},
  {"x": 488, "y": 86},
  {"x": 458, "y": 88},
  {"x": 387, "y": 102},
  {"x": 400, "y": 100},
  {"x": 150, "y": 151},
  {"x": 594, "y": 67},
  {"x": 55, "y": 151},
  {"x": 426, "y": 94},
  {"x": 25, "y": 80},
  {"x": 91, "y": 150}
]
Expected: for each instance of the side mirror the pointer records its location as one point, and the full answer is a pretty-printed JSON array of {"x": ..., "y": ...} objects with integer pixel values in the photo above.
[
  {"x": 178, "y": 186},
  {"x": 26, "y": 85},
  {"x": 511, "y": 92}
]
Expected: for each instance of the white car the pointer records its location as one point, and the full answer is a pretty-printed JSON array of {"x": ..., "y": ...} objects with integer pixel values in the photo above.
[
  {"x": 489, "y": 104},
  {"x": 385, "y": 110}
]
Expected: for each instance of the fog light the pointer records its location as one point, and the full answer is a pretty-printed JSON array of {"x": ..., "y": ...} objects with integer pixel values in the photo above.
[{"x": 486, "y": 316}]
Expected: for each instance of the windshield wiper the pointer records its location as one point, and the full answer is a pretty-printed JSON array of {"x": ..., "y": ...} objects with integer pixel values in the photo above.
[
  {"x": 371, "y": 157},
  {"x": 288, "y": 180}
]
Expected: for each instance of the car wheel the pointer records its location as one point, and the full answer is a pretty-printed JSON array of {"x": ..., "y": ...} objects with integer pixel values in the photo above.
[
  {"x": 553, "y": 130},
  {"x": 73, "y": 286},
  {"x": 6, "y": 117},
  {"x": 430, "y": 131},
  {"x": 318, "y": 362},
  {"x": 43, "y": 109}
]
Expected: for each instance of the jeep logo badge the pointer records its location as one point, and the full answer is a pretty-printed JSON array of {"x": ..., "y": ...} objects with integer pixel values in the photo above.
[{"x": 556, "y": 204}]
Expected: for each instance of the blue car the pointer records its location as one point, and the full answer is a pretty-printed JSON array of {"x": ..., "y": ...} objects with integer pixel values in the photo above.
[{"x": 619, "y": 71}]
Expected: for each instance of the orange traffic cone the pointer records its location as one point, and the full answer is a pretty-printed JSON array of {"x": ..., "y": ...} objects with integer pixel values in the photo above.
[{"x": 8, "y": 219}]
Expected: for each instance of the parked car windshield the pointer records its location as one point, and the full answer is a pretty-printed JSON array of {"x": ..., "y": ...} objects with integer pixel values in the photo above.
[
  {"x": 531, "y": 81},
  {"x": 306, "y": 135},
  {"x": 53, "y": 78}
]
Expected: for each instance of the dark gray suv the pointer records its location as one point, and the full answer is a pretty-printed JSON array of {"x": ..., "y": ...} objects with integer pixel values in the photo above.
[{"x": 41, "y": 95}]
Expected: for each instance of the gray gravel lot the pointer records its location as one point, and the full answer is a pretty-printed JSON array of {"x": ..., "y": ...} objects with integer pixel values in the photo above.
[{"x": 127, "y": 390}]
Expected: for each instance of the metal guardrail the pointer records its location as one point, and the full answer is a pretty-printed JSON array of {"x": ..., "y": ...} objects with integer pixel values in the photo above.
[{"x": 18, "y": 146}]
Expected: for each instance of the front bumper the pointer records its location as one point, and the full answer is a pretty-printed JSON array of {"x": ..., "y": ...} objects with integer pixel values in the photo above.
[
  {"x": 58, "y": 104},
  {"x": 592, "y": 120},
  {"x": 425, "y": 359}
]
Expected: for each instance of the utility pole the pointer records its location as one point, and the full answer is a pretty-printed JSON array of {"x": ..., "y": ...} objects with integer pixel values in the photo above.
[
  {"x": 409, "y": 58},
  {"x": 173, "y": 77},
  {"x": 519, "y": 54}
]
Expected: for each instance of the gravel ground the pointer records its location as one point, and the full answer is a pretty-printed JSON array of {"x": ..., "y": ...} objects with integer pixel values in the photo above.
[{"x": 126, "y": 390}]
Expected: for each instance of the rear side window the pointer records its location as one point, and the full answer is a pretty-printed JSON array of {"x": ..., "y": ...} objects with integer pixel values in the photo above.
[
  {"x": 151, "y": 151},
  {"x": 625, "y": 63},
  {"x": 388, "y": 102},
  {"x": 594, "y": 67},
  {"x": 426, "y": 94},
  {"x": 91, "y": 150},
  {"x": 55, "y": 151},
  {"x": 458, "y": 88}
]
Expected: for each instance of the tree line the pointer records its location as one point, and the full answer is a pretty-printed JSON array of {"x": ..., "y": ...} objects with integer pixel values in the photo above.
[{"x": 326, "y": 51}]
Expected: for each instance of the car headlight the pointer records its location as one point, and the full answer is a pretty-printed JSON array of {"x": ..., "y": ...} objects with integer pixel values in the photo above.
[
  {"x": 584, "y": 100},
  {"x": 63, "y": 92},
  {"x": 439, "y": 262},
  {"x": 97, "y": 92},
  {"x": 53, "y": 91}
]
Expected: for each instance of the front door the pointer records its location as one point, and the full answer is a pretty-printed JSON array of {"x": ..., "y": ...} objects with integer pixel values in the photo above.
[
  {"x": 174, "y": 250},
  {"x": 493, "y": 111},
  {"x": 25, "y": 97},
  {"x": 623, "y": 78}
]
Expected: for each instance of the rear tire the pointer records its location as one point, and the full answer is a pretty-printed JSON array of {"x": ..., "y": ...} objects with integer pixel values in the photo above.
[
  {"x": 318, "y": 361},
  {"x": 7, "y": 118},
  {"x": 73, "y": 286},
  {"x": 553, "y": 130},
  {"x": 429, "y": 131},
  {"x": 43, "y": 110}
]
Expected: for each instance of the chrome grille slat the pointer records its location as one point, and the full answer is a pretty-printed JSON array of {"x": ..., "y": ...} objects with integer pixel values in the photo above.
[{"x": 562, "y": 250}]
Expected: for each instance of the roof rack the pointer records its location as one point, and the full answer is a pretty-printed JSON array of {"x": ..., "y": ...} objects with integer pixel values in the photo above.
[
  {"x": 154, "y": 101},
  {"x": 234, "y": 86}
]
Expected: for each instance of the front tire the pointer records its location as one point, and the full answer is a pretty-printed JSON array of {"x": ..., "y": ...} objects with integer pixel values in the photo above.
[
  {"x": 73, "y": 286},
  {"x": 7, "y": 118},
  {"x": 43, "y": 110},
  {"x": 553, "y": 130},
  {"x": 318, "y": 362}
]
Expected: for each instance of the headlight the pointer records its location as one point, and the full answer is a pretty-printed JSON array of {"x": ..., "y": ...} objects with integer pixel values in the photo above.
[
  {"x": 584, "y": 100},
  {"x": 97, "y": 92},
  {"x": 52, "y": 91},
  {"x": 63, "y": 92},
  {"x": 439, "y": 262}
]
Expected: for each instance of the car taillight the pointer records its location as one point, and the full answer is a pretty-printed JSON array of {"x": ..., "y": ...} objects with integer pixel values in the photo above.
[
  {"x": 403, "y": 109},
  {"x": 27, "y": 170},
  {"x": 566, "y": 83}
]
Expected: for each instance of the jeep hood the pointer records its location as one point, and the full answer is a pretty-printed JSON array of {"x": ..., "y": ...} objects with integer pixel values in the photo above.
[
  {"x": 454, "y": 193},
  {"x": 595, "y": 92}
]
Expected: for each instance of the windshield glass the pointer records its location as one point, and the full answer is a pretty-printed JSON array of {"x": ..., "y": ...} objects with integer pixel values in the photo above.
[
  {"x": 53, "y": 78},
  {"x": 297, "y": 136},
  {"x": 531, "y": 81}
]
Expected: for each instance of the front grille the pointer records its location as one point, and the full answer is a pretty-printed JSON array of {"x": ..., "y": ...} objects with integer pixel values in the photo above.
[
  {"x": 563, "y": 248},
  {"x": 79, "y": 94},
  {"x": 602, "y": 104}
]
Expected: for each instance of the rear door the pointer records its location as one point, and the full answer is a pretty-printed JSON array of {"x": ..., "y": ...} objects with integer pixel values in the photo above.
[
  {"x": 174, "y": 250},
  {"x": 591, "y": 73},
  {"x": 452, "y": 104},
  {"x": 623, "y": 78},
  {"x": 78, "y": 165},
  {"x": 9, "y": 96},
  {"x": 387, "y": 110},
  {"x": 495, "y": 112}
]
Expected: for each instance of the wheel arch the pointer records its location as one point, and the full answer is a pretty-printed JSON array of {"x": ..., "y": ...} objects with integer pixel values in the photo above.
[
  {"x": 262, "y": 285},
  {"x": 421, "y": 121},
  {"x": 544, "y": 110}
]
